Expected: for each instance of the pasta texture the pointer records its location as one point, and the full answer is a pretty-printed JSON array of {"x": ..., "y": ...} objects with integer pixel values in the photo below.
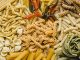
[{"x": 39, "y": 34}]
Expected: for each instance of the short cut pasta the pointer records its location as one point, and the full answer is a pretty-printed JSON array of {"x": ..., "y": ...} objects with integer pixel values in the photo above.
[{"x": 39, "y": 34}]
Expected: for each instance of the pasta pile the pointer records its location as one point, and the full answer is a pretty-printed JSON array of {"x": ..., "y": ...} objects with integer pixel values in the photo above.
[
  {"x": 3, "y": 3},
  {"x": 30, "y": 29},
  {"x": 39, "y": 34},
  {"x": 18, "y": 34},
  {"x": 11, "y": 27},
  {"x": 11, "y": 20},
  {"x": 38, "y": 55},
  {"x": 68, "y": 26},
  {"x": 68, "y": 6},
  {"x": 68, "y": 19}
]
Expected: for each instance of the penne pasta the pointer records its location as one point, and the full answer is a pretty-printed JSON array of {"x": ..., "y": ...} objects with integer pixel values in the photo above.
[
  {"x": 31, "y": 56},
  {"x": 38, "y": 52},
  {"x": 13, "y": 55},
  {"x": 21, "y": 56},
  {"x": 50, "y": 53},
  {"x": 54, "y": 57},
  {"x": 43, "y": 58},
  {"x": 40, "y": 56}
]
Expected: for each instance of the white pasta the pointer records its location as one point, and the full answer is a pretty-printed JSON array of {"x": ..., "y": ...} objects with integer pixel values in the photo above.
[
  {"x": 3, "y": 54},
  {"x": 11, "y": 26},
  {"x": 66, "y": 20},
  {"x": 2, "y": 58},
  {"x": 68, "y": 23},
  {"x": 72, "y": 19},
  {"x": 76, "y": 32},
  {"x": 17, "y": 48},
  {"x": 60, "y": 44},
  {"x": 60, "y": 37},
  {"x": 78, "y": 20},
  {"x": 1, "y": 39},
  {"x": 78, "y": 25},
  {"x": 70, "y": 28},
  {"x": 20, "y": 31},
  {"x": 17, "y": 42},
  {"x": 6, "y": 49},
  {"x": 59, "y": 28},
  {"x": 7, "y": 43}
]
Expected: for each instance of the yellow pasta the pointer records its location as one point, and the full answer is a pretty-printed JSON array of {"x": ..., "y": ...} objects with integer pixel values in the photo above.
[
  {"x": 50, "y": 1},
  {"x": 21, "y": 56},
  {"x": 38, "y": 52},
  {"x": 24, "y": 2},
  {"x": 13, "y": 55},
  {"x": 25, "y": 57},
  {"x": 31, "y": 56},
  {"x": 53, "y": 57},
  {"x": 43, "y": 6},
  {"x": 40, "y": 56},
  {"x": 50, "y": 53},
  {"x": 43, "y": 58}
]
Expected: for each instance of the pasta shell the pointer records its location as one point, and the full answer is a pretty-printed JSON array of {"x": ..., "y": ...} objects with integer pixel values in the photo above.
[
  {"x": 17, "y": 48},
  {"x": 17, "y": 42},
  {"x": 6, "y": 49},
  {"x": 2, "y": 58},
  {"x": 3, "y": 54},
  {"x": 7, "y": 43},
  {"x": 20, "y": 31}
]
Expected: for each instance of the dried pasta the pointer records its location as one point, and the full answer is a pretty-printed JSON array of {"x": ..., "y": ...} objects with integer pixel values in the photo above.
[
  {"x": 38, "y": 33},
  {"x": 21, "y": 56},
  {"x": 68, "y": 7},
  {"x": 11, "y": 21}
]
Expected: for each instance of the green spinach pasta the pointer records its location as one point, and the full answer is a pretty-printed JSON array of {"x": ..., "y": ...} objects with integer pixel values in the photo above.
[{"x": 71, "y": 46}]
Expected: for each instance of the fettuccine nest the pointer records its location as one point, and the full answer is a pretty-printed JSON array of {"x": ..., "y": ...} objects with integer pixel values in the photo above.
[{"x": 71, "y": 47}]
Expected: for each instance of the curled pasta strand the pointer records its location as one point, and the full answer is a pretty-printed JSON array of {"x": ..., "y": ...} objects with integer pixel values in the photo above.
[
  {"x": 68, "y": 7},
  {"x": 38, "y": 43}
]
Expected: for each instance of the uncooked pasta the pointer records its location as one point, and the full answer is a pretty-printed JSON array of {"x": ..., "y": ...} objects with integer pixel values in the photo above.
[
  {"x": 39, "y": 30},
  {"x": 39, "y": 34}
]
